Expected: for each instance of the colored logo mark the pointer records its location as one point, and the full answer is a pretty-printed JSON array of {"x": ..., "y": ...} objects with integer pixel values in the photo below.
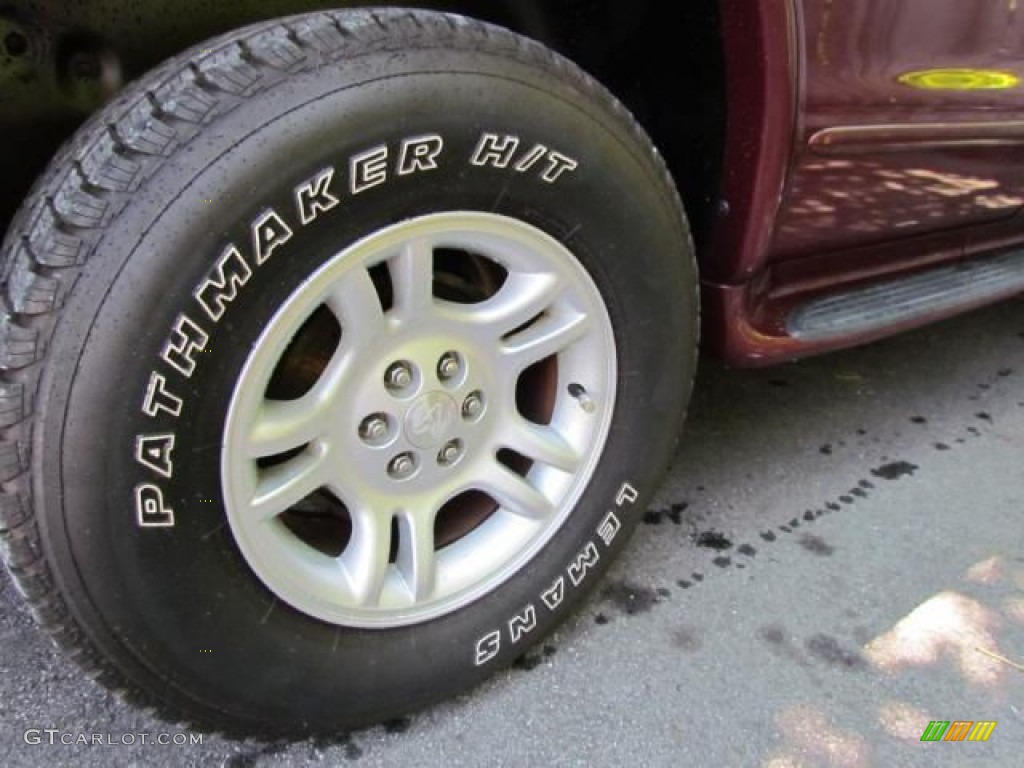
[
  {"x": 960, "y": 79},
  {"x": 958, "y": 730}
]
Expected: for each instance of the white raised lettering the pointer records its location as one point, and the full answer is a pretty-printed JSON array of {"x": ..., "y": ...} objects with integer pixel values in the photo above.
[
  {"x": 150, "y": 508},
  {"x": 608, "y": 528},
  {"x": 419, "y": 154},
  {"x": 268, "y": 233},
  {"x": 494, "y": 150},
  {"x": 368, "y": 169},
  {"x": 521, "y": 624},
  {"x": 314, "y": 197},
  {"x": 154, "y": 451},
  {"x": 553, "y": 595},
  {"x": 158, "y": 398},
  {"x": 585, "y": 560},
  {"x": 531, "y": 158},
  {"x": 557, "y": 165},
  {"x": 221, "y": 286},
  {"x": 487, "y": 647},
  {"x": 627, "y": 495},
  {"x": 186, "y": 340}
]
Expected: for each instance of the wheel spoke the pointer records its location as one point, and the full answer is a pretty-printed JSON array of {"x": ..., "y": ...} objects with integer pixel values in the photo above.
[
  {"x": 286, "y": 484},
  {"x": 513, "y": 492},
  {"x": 412, "y": 279},
  {"x": 365, "y": 559},
  {"x": 548, "y": 336},
  {"x": 416, "y": 560},
  {"x": 522, "y": 297},
  {"x": 283, "y": 425},
  {"x": 354, "y": 301},
  {"x": 540, "y": 443}
]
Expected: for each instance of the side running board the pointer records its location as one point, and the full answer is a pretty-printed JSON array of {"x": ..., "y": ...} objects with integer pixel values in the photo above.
[{"x": 893, "y": 302}]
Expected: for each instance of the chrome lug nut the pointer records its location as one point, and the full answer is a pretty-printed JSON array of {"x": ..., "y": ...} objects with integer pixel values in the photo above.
[
  {"x": 449, "y": 365},
  {"x": 374, "y": 428},
  {"x": 398, "y": 375},
  {"x": 450, "y": 453},
  {"x": 402, "y": 466},
  {"x": 473, "y": 406}
]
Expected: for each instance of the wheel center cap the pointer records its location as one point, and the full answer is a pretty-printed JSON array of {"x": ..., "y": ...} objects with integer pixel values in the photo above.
[{"x": 429, "y": 420}]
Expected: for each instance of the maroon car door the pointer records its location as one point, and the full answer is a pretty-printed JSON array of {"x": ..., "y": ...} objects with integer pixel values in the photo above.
[{"x": 910, "y": 120}]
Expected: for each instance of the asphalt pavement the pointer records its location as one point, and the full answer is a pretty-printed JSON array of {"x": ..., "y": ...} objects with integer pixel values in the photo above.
[{"x": 835, "y": 560}]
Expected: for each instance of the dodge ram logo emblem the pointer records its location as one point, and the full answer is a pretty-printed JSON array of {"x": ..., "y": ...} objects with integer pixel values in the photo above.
[{"x": 429, "y": 419}]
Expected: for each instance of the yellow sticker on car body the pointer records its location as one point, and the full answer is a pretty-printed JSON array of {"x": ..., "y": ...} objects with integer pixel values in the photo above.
[{"x": 960, "y": 79}]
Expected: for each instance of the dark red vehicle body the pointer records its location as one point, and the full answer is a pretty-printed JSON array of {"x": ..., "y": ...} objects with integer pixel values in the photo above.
[
  {"x": 837, "y": 172},
  {"x": 808, "y": 161}
]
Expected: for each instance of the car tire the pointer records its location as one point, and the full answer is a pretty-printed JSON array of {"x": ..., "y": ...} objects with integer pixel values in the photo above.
[{"x": 340, "y": 355}]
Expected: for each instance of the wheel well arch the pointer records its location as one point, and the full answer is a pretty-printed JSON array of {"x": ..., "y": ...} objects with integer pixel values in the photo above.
[{"x": 668, "y": 69}]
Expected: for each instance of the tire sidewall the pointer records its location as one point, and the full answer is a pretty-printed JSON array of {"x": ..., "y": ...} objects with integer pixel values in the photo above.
[{"x": 178, "y": 604}]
